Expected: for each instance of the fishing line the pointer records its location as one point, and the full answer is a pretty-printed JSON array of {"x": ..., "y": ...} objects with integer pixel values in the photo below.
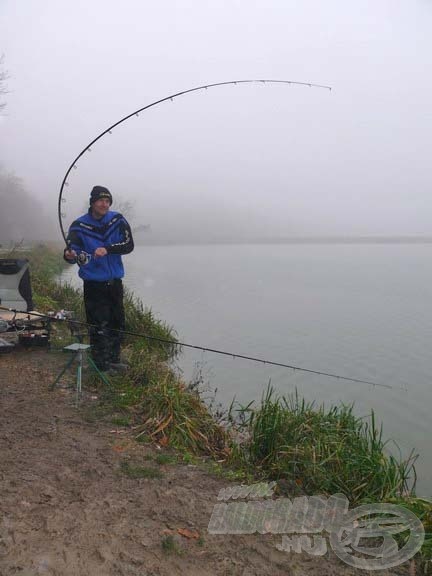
[
  {"x": 61, "y": 215},
  {"x": 205, "y": 349},
  {"x": 136, "y": 113}
]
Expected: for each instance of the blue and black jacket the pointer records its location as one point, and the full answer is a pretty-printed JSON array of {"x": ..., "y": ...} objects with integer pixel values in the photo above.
[{"x": 111, "y": 232}]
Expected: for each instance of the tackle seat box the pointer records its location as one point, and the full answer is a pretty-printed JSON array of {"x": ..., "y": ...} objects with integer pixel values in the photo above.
[{"x": 15, "y": 286}]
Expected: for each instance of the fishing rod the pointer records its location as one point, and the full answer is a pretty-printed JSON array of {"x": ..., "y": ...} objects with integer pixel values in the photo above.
[
  {"x": 137, "y": 112},
  {"x": 204, "y": 349}
]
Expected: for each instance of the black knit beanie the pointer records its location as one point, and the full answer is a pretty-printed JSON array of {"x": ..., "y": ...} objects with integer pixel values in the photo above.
[{"x": 99, "y": 192}]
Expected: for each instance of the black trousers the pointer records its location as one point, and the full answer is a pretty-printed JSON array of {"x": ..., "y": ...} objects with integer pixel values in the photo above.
[{"x": 104, "y": 308}]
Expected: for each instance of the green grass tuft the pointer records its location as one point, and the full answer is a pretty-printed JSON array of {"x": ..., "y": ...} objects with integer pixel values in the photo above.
[
  {"x": 170, "y": 546},
  {"x": 164, "y": 459},
  {"x": 322, "y": 450},
  {"x": 121, "y": 420},
  {"x": 140, "y": 471}
]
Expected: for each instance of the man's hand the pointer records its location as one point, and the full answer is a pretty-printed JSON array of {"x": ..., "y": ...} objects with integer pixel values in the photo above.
[
  {"x": 99, "y": 252},
  {"x": 70, "y": 255}
]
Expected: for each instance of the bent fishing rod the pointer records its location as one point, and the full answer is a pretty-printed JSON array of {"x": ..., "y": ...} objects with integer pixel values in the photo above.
[
  {"x": 136, "y": 113},
  {"x": 170, "y": 97},
  {"x": 202, "y": 348}
]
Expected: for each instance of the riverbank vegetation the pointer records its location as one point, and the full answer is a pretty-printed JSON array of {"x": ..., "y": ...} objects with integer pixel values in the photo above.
[
  {"x": 307, "y": 449},
  {"x": 322, "y": 450}
]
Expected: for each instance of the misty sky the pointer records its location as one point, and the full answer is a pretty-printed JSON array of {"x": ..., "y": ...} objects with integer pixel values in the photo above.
[{"x": 236, "y": 161}]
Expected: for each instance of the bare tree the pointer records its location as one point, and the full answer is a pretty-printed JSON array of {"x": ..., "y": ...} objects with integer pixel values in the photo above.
[{"x": 4, "y": 75}]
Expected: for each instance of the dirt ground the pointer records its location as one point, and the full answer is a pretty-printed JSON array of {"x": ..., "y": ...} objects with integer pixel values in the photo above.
[{"x": 67, "y": 509}]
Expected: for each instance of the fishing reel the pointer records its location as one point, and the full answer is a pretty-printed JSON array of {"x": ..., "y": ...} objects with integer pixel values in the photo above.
[{"x": 83, "y": 258}]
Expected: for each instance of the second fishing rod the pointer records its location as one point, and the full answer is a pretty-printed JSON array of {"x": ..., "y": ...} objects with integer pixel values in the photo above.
[{"x": 176, "y": 343}]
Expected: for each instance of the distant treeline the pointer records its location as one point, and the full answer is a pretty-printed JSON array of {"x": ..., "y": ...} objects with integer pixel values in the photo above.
[{"x": 22, "y": 216}]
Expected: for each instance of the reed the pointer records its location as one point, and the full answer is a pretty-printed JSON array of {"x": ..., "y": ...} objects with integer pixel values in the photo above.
[{"x": 322, "y": 450}]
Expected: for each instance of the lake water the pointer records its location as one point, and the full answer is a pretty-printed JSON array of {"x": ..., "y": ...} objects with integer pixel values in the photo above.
[{"x": 357, "y": 310}]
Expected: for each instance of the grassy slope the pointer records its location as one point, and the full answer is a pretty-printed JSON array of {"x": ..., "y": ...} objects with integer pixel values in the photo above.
[{"x": 309, "y": 449}]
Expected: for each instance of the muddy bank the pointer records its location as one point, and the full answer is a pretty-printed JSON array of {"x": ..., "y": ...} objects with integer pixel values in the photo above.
[{"x": 68, "y": 509}]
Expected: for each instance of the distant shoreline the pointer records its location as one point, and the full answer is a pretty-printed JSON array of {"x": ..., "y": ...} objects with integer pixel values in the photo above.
[{"x": 294, "y": 240}]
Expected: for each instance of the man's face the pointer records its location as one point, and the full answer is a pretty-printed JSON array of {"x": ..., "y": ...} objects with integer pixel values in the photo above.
[{"x": 100, "y": 207}]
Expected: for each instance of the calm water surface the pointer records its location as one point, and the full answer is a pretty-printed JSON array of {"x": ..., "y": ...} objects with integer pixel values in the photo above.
[{"x": 357, "y": 310}]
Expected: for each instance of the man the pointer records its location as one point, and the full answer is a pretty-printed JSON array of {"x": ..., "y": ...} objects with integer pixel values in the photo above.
[{"x": 96, "y": 242}]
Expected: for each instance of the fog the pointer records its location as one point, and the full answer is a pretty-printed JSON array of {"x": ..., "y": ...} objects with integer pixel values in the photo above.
[
  {"x": 234, "y": 162},
  {"x": 23, "y": 218}
]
